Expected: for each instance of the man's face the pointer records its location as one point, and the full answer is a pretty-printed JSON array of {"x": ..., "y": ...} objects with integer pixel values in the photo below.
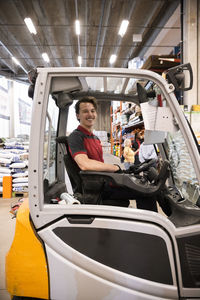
[{"x": 87, "y": 115}]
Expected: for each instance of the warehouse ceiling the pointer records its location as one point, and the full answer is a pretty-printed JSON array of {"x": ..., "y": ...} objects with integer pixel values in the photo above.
[{"x": 155, "y": 22}]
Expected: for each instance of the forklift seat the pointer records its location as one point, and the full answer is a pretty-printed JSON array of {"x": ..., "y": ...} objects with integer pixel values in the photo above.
[
  {"x": 87, "y": 188},
  {"x": 71, "y": 166}
]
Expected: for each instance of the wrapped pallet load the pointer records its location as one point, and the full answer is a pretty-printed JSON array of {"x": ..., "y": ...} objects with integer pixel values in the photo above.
[{"x": 14, "y": 162}]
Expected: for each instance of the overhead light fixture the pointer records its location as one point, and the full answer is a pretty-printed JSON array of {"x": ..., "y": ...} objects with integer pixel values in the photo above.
[
  {"x": 137, "y": 38},
  {"x": 77, "y": 27},
  {"x": 123, "y": 27},
  {"x": 30, "y": 25},
  {"x": 45, "y": 57},
  {"x": 113, "y": 58},
  {"x": 15, "y": 61},
  {"x": 79, "y": 60}
]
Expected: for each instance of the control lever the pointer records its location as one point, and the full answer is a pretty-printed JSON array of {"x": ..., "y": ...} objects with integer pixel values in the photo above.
[{"x": 164, "y": 172}]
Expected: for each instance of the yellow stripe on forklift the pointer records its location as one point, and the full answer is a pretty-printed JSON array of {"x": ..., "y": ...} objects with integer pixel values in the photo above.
[{"x": 26, "y": 266}]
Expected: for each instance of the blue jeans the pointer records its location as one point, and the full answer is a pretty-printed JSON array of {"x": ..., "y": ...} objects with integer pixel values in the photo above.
[{"x": 127, "y": 165}]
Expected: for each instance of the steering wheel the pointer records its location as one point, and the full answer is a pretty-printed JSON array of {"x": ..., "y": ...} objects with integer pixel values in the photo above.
[{"x": 142, "y": 167}]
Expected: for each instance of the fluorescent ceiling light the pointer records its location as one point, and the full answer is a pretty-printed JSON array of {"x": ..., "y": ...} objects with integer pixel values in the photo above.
[
  {"x": 77, "y": 27},
  {"x": 79, "y": 60},
  {"x": 45, "y": 57},
  {"x": 113, "y": 58},
  {"x": 15, "y": 60},
  {"x": 18, "y": 63},
  {"x": 123, "y": 27},
  {"x": 30, "y": 25}
]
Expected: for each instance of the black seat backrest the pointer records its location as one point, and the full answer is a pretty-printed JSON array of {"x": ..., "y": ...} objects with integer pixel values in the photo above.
[
  {"x": 71, "y": 166},
  {"x": 88, "y": 186}
]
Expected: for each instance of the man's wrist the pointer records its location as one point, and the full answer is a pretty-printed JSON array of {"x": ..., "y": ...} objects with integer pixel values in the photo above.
[{"x": 118, "y": 169}]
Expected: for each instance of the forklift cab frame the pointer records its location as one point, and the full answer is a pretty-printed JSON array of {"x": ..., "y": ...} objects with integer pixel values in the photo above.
[{"x": 109, "y": 252}]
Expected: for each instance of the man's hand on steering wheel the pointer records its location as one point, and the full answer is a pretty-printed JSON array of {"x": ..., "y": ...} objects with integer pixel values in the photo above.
[{"x": 141, "y": 167}]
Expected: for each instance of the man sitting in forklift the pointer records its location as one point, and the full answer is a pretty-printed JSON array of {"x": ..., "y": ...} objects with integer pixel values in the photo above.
[{"x": 86, "y": 150}]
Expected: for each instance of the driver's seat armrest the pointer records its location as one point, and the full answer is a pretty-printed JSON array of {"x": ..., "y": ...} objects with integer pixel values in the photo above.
[{"x": 116, "y": 178}]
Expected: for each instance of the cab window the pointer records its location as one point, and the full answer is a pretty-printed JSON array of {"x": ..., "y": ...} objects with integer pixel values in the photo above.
[{"x": 49, "y": 167}]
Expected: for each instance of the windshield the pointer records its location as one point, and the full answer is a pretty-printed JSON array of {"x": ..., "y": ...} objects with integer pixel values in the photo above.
[
  {"x": 129, "y": 110},
  {"x": 182, "y": 168}
]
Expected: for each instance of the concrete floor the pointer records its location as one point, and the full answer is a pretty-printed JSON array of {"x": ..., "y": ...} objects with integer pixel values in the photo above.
[{"x": 7, "y": 230}]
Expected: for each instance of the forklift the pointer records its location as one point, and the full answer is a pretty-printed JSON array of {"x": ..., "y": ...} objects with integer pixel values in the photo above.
[{"x": 70, "y": 245}]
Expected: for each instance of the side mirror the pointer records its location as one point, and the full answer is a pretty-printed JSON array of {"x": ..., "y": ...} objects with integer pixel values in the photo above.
[
  {"x": 181, "y": 77},
  {"x": 143, "y": 94},
  {"x": 31, "y": 90},
  {"x": 32, "y": 75}
]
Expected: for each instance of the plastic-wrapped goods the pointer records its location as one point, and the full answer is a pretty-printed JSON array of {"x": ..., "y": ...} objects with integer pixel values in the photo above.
[
  {"x": 6, "y": 154},
  {"x": 5, "y": 171},
  {"x": 20, "y": 179},
  {"x": 20, "y": 184},
  {"x": 5, "y": 161},
  {"x": 20, "y": 174},
  {"x": 20, "y": 189},
  {"x": 14, "y": 162},
  {"x": 124, "y": 119},
  {"x": 18, "y": 165}
]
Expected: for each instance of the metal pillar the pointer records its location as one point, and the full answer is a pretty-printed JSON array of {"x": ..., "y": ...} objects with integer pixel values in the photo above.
[
  {"x": 191, "y": 47},
  {"x": 11, "y": 104}
]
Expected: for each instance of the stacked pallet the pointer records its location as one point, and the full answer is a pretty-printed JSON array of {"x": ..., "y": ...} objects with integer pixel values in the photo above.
[{"x": 14, "y": 163}]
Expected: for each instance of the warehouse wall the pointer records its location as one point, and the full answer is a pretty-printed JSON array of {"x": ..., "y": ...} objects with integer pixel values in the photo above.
[
  {"x": 4, "y": 108},
  {"x": 15, "y": 109}
]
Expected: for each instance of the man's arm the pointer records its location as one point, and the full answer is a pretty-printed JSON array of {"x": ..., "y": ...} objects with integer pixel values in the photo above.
[{"x": 87, "y": 164}]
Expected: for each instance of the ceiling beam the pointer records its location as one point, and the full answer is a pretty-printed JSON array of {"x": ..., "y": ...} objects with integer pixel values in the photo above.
[{"x": 105, "y": 13}]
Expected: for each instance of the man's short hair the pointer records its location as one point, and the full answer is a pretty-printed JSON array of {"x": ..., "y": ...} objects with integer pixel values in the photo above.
[{"x": 86, "y": 99}]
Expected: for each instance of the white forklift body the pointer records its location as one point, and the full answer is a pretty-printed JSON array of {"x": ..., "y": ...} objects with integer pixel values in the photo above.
[{"x": 107, "y": 252}]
